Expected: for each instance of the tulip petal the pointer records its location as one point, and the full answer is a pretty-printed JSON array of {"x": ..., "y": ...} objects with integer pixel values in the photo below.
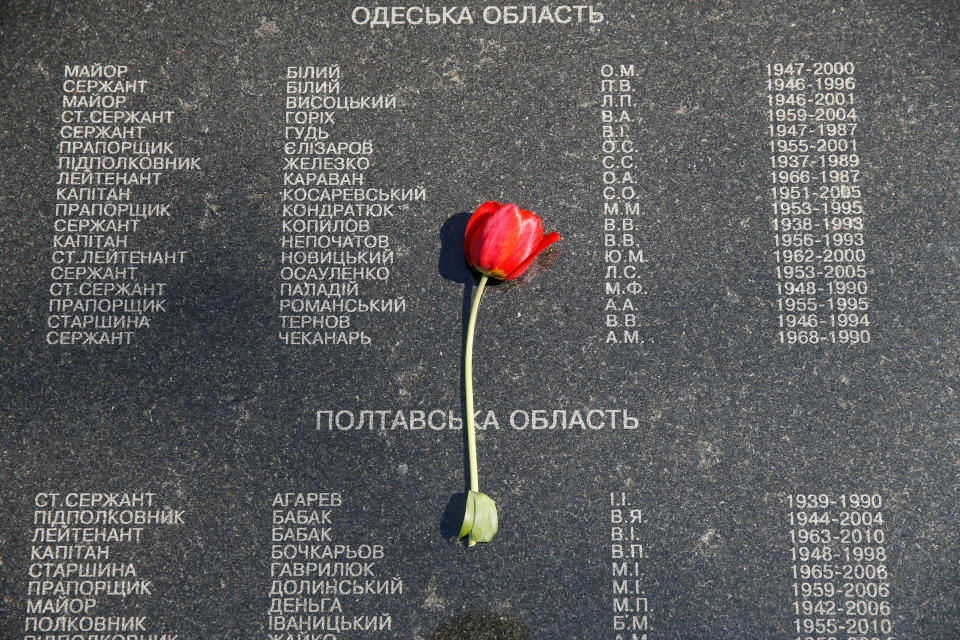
[
  {"x": 502, "y": 240},
  {"x": 477, "y": 219},
  {"x": 528, "y": 236},
  {"x": 492, "y": 245},
  {"x": 545, "y": 242}
]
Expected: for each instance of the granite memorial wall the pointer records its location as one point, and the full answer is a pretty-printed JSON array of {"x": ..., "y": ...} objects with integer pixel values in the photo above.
[{"x": 723, "y": 405}]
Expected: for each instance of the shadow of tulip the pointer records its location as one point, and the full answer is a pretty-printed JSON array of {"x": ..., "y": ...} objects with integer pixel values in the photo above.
[
  {"x": 482, "y": 626},
  {"x": 452, "y": 518},
  {"x": 451, "y": 263},
  {"x": 452, "y": 266}
]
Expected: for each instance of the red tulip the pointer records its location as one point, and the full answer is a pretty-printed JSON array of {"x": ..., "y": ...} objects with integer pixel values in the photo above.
[{"x": 502, "y": 241}]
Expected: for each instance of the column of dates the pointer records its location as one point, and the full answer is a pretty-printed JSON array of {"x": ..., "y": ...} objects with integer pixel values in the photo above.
[
  {"x": 839, "y": 583},
  {"x": 817, "y": 208}
]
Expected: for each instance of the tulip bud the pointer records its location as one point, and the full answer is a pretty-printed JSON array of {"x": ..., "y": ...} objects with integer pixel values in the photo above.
[{"x": 502, "y": 241}]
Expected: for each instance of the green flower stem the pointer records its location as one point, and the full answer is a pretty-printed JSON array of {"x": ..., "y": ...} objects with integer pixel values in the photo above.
[
  {"x": 468, "y": 386},
  {"x": 480, "y": 521}
]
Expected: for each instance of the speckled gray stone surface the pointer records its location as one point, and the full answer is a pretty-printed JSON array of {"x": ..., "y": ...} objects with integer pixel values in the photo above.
[{"x": 211, "y": 412}]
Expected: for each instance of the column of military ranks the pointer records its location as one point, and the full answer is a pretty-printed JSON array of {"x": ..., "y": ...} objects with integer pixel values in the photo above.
[{"x": 103, "y": 279}]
